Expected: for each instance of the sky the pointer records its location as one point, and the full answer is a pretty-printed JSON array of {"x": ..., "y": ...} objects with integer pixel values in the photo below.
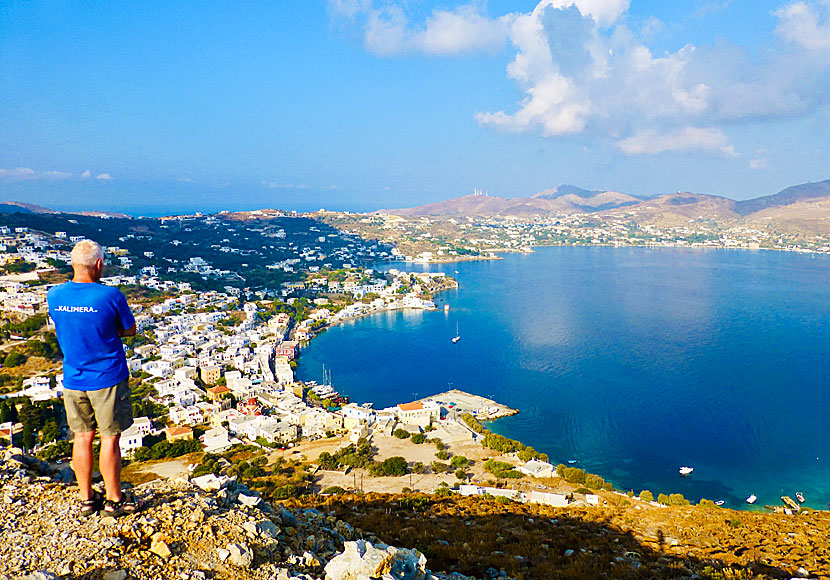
[{"x": 163, "y": 107}]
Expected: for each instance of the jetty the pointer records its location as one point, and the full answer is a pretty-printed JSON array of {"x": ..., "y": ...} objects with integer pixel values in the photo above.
[{"x": 460, "y": 402}]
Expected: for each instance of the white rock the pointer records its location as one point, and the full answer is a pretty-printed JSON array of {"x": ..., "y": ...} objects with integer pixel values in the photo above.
[
  {"x": 209, "y": 482},
  {"x": 240, "y": 555},
  {"x": 249, "y": 500},
  {"x": 115, "y": 575},
  {"x": 222, "y": 553},
  {"x": 361, "y": 560}
]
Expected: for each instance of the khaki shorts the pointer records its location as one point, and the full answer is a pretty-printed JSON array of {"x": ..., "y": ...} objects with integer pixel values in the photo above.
[{"x": 110, "y": 411}]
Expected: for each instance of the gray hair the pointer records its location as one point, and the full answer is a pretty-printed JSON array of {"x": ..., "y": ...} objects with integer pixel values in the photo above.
[{"x": 86, "y": 253}]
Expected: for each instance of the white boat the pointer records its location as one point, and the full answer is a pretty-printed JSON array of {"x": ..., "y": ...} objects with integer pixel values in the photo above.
[
  {"x": 457, "y": 336},
  {"x": 446, "y": 307},
  {"x": 751, "y": 498},
  {"x": 799, "y": 496},
  {"x": 720, "y": 502},
  {"x": 686, "y": 470}
]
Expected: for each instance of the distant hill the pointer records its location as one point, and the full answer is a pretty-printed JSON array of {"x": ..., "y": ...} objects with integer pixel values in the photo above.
[
  {"x": 788, "y": 196},
  {"x": 20, "y": 207},
  {"x": 562, "y": 199},
  {"x": 804, "y": 207}
]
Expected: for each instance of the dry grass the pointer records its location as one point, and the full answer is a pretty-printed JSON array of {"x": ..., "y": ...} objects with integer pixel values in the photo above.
[{"x": 471, "y": 535}]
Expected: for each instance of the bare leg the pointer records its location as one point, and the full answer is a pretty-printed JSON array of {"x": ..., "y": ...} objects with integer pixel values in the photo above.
[
  {"x": 82, "y": 462},
  {"x": 110, "y": 465}
]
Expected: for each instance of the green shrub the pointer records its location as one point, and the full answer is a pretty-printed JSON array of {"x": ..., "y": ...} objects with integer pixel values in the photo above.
[
  {"x": 14, "y": 359},
  {"x": 460, "y": 474},
  {"x": 392, "y": 466},
  {"x": 459, "y": 461},
  {"x": 663, "y": 499},
  {"x": 593, "y": 481},
  {"x": 418, "y": 438},
  {"x": 401, "y": 434},
  {"x": 334, "y": 490},
  {"x": 443, "y": 454},
  {"x": 501, "y": 469},
  {"x": 583, "y": 490},
  {"x": 646, "y": 495}
]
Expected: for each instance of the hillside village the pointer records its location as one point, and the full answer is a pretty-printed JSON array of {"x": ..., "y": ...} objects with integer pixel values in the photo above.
[{"x": 212, "y": 359}]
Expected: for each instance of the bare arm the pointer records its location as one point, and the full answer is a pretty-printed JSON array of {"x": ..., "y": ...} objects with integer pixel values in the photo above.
[{"x": 127, "y": 331}]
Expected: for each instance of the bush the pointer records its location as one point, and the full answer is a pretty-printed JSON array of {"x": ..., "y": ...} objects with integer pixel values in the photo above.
[
  {"x": 401, "y": 434},
  {"x": 501, "y": 469},
  {"x": 574, "y": 475},
  {"x": 438, "y": 467},
  {"x": 418, "y": 467},
  {"x": 583, "y": 490},
  {"x": 593, "y": 481},
  {"x": 608, "y": 486},
  {"x": 646, "y": 495},
  {"x": 503, "y": 500},
  {"x": 678, "y": 499},
  {"x": 55, "y": 451},
  {"x": 418, "y": 438},
  {"x": 459, "y": 461},
  {"x": 14, "y": 359},
  {"x": 393, "y": 466},
  {"x": 443, "y": 454},
  {"x": 460, "y": 474},
  {"x": 663, "y": 499}
]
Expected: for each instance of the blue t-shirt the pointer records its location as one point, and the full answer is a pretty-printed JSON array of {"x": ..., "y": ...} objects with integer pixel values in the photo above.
[{"x": 87, "y": 318}]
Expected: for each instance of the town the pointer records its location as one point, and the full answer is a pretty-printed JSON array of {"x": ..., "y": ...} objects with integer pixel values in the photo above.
[{"x": 448, "y": 239}]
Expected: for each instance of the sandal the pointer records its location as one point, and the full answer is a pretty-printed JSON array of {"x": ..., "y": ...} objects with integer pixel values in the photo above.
[
  {"x": 92, "y": 505},
  {"x": 129, "y": 504}
]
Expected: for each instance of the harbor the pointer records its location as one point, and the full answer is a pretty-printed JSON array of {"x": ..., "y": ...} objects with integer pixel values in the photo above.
[{"x": 460, "y": 402}]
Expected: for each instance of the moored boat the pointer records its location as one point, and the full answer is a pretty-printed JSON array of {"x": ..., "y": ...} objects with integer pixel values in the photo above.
[
  {"x": 720, "y": 502},
  {"x": 686, "y": 470},
  {"x": 752, "y": 498},
  {"x": 799, "y": 496}
]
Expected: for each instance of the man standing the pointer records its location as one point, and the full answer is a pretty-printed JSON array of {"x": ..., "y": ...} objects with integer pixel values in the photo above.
[{"x": 90, "y": 320}]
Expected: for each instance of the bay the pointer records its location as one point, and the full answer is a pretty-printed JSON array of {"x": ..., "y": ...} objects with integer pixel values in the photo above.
[{"x": 631, "y": 361}]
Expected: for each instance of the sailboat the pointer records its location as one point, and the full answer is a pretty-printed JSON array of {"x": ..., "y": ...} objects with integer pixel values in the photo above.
[{"x": 457, "y": 336}]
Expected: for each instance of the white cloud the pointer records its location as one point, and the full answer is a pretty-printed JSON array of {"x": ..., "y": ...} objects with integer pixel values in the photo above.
[
  {"x": 104, "y": 176},
  {"x": 805, "y": 24},
  {"x": 57, "y": 175},
  {"x": 388, "y": 31},
  {"x": 686, "y": 139},
  {"x": 604, "y": 12},
  {"x": 582, "y": 71},
  {"x": 86, "y": 174},
  {"x": 18, "y": 173}
]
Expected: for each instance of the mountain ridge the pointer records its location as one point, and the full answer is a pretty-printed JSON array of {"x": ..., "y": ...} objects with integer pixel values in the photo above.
[{"x": 571, "y": 199}]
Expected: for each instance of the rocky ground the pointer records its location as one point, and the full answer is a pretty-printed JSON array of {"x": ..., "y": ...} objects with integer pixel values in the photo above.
[
  {"x": 214, "y": 528},
  {"x": 190, "y": 530}
]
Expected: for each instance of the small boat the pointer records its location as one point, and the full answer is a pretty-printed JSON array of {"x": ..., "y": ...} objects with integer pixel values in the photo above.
[
  {"x": 799, "y": 496},
  {"x": 446, "y": 307},
  {"x": 457, "y": 336},
  {"x": 720, "y": 502},
  {"x": 684, "y": 471},
  {"x": 572, "y": 461},
  {"x": 752, "y": 498}
]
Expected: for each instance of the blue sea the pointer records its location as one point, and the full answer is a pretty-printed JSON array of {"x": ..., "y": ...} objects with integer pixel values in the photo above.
[{"x": 631, "y": 361}]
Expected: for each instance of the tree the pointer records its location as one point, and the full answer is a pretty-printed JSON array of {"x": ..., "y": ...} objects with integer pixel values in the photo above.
[
  {"x": 418, "y": 438},
  {"x": 394, "y": 466},
  {"x": 663, "y": 499},
  {"x": 401, "y": 434},
  {"x": 28, "y": 439},
  {"x": 646, "y": 495},
  {"x": 50, "y": 432},
  {"x": 14, "y": 359},
  {"x": 460, "y": 474},
  {"x": 459, "y": 461}
]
